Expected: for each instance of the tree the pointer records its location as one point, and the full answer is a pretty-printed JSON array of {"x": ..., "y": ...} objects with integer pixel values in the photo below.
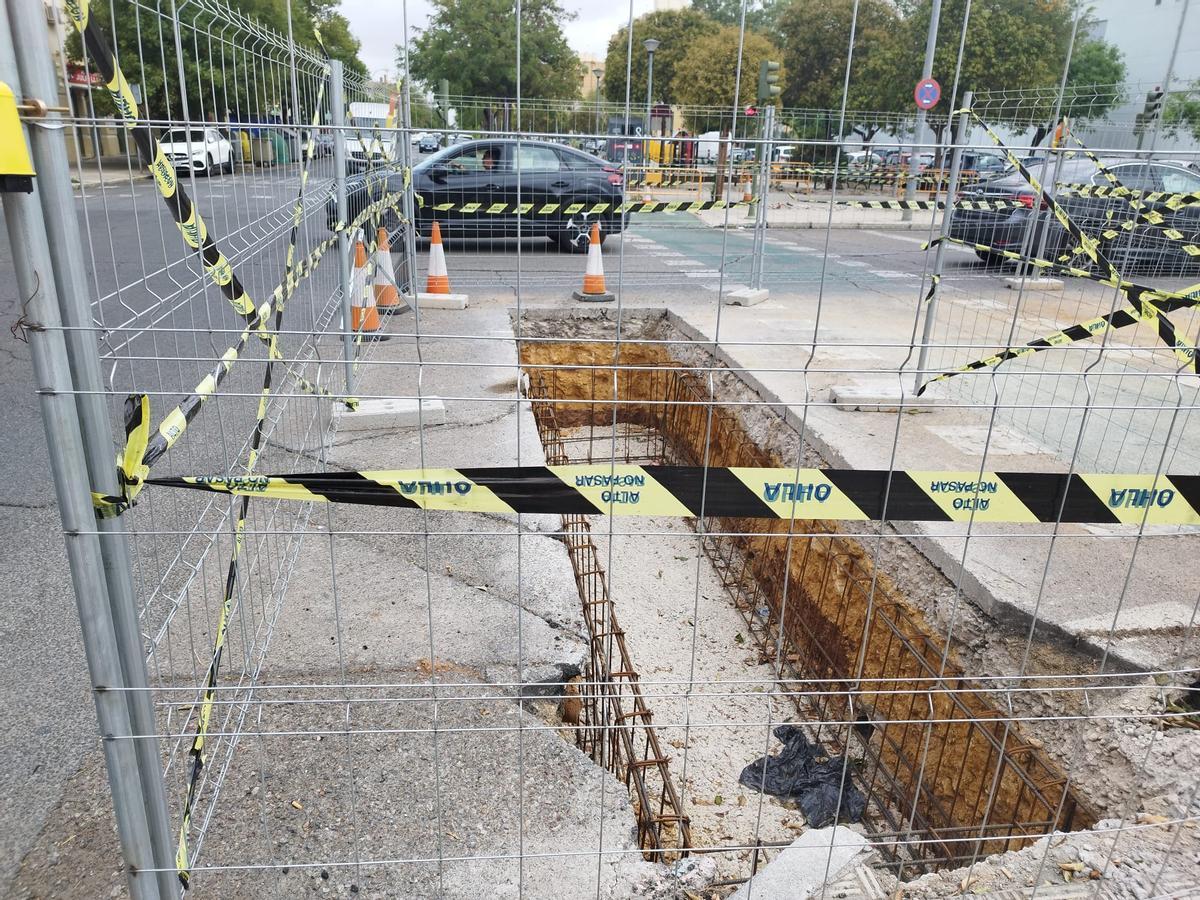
[
  {"x": 677, "y": 29},
  {"x": 760, "y": 14},
  {"x": 473, "y": 44},
  {"x": 1181, "y": 114},
  {"x": 1094, "y": 80},
  {"x": 1012, "y": 45},
  {"x": 220, "y": 79},
  {"x": 707, "y": 74},
  {"x": 815, "y": 35}
]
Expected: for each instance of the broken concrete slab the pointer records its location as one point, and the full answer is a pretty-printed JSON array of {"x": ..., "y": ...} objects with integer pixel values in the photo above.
[{"x": 805, "y": 866}]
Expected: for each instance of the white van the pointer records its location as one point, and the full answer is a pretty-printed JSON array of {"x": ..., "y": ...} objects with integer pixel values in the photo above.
[{"x": 366, "y": 139}]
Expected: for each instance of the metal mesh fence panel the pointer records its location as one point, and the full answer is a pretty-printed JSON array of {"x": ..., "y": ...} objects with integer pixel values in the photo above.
[{"x": 568, "y": 498}]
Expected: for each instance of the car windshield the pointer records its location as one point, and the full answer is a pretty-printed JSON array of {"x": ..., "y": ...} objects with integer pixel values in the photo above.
[
  {"x": 437, "y": 157},
  {"x": 182, "y": 137}
]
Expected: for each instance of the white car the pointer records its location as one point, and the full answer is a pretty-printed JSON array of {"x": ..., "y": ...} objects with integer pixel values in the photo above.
[{"x": 204, "y": 150}]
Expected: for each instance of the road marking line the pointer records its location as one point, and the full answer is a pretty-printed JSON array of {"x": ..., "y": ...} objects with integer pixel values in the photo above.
[
  {"x": 918, "y": 241},
  {"x": 889, "y": 273},
  {"x": 852, "y": 264}
]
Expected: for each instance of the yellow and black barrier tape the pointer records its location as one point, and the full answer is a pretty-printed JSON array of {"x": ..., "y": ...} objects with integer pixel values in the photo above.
[
  {"x": 1146, "y": 212},
  {"x": 930, "y": 204},
  {"x": 752, "y": 492},
  {"x": 1171, "y": 201},
  {"x": 1147, "y": 304},
  {"x": 573, "y": 209},
  {"x": 1131, "y": 314},
  {"x": 176, "y": 422},
  {"x": 187, "y": 217}
]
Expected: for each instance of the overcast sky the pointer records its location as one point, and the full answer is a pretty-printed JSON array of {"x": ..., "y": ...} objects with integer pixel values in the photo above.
[{"x": 378, "y": 24}]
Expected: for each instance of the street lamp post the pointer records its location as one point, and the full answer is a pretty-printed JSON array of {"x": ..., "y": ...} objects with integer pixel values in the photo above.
[
  {"x": 599, "y": 73},
  {"x": 651, "y": 45}
]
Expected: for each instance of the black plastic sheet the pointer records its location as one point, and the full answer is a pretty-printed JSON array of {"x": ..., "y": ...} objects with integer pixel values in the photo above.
[{"x": 802, "y": 773}]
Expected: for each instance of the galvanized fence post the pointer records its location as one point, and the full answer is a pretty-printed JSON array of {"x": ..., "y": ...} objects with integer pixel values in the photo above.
[
  {"x": 764, "y": 190},
  {"x": 64, "y": 252},
  {"x": 104, "y": 617},
  {"x": 337, "y": 118},
  {"x": 960, "y": 132}
]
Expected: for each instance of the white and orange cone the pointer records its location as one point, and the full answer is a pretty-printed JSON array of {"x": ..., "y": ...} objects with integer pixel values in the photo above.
[
  {"x": 364, "y": 317},
  {"x": 747, "y": 189},
  {"x": 594, "y": 289},
  {"x": 438, "y": 281},
  {"x": 387, "y": 297}
]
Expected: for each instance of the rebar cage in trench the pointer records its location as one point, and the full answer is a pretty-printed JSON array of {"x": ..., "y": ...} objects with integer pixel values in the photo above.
[
  {"x": 615, "y": 723},
  {"x": 947, "y": 780}
]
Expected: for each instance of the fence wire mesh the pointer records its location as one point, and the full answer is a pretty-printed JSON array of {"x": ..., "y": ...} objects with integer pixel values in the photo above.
[{"x": 479, "y": 673}]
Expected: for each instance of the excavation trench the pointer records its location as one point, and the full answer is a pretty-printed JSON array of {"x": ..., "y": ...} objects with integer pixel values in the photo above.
[{"x": 945, "y": 777}]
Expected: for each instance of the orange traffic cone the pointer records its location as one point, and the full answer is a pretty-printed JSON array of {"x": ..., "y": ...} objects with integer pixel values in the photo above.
[
  {"x": 438, "y": 281},
  {"x": 747, "y": 192},
  {"x": 387, "y": 297},
  {"x": 594, "y": 290},
  {"x": 364, "y": 316}
]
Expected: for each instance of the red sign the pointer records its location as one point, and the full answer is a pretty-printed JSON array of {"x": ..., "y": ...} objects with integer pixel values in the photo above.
[
  {"x": 927, "y": 93},
  {"x": 78, "y": 76},
  {"x": 751, "y": 111}
]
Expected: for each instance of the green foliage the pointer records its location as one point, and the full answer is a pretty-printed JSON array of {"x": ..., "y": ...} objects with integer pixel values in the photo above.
[
  {"x": 760, "y": 14},
  {"x": 1093, "y": 81},
  {"x": 473, "y": 44},
  {"x": 678, "y": 29},
  {"x": 1181, "y": 114},
  {"x": 1012, "y": 45},
  {"x": 221, "y": 80},
  {"x": 815, "y": 36},
  {"x": 706, "y": 76}
]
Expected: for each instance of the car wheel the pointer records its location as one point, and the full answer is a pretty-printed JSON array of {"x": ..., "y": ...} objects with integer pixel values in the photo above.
[
  {"x": 211, "y": 169},
  {"x": 575, "y": 233}
]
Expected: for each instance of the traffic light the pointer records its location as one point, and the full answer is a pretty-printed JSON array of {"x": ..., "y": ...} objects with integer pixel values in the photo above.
[
  {"x": 1154, "y": 104},
  {"x": 768, "y": 82}
]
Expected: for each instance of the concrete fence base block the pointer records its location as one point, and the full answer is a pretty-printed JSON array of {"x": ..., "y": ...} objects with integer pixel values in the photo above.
[
  {"x": 442, "y": 301},
  {"x": 746, "y": 296},
  {"x": 393, "y": 413},
  {"x": 815, "y": 859},
  {"x": 869, "y": 398},
  {"x": 1034, "y": 284}
]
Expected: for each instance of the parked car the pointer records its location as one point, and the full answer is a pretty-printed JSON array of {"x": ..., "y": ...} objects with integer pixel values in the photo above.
[
  {"x": 1141, "y": 248},
  {"x": 898, "y": 159},
  {"x": 204, "y": 150},
  {"x": 982, "y": 165},
  {"x": 863, "y": 159},
  {"x": 324, "y": 143},
  {"x": 429, "y": 143},
  {"x": 481, "y": 174}
]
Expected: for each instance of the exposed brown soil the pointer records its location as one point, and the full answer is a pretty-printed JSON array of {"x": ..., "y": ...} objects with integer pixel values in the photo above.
[{"x": 944, "y": 740}]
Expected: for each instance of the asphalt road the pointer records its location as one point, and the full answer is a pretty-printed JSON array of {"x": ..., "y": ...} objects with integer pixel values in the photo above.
[{"x": 163, "y": 328}]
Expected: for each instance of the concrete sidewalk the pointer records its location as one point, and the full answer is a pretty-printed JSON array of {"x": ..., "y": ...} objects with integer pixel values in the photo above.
[{"x": 793, "y": 212}]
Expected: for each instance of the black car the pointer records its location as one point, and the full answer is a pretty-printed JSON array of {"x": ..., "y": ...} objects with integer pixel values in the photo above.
[
  {"x": 477, "y": 189},
  {"x": 1143, "y": 247}
]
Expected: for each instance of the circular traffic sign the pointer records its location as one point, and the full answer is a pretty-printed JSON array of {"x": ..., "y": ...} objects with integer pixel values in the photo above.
[{"x": 927, "y": 93}]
